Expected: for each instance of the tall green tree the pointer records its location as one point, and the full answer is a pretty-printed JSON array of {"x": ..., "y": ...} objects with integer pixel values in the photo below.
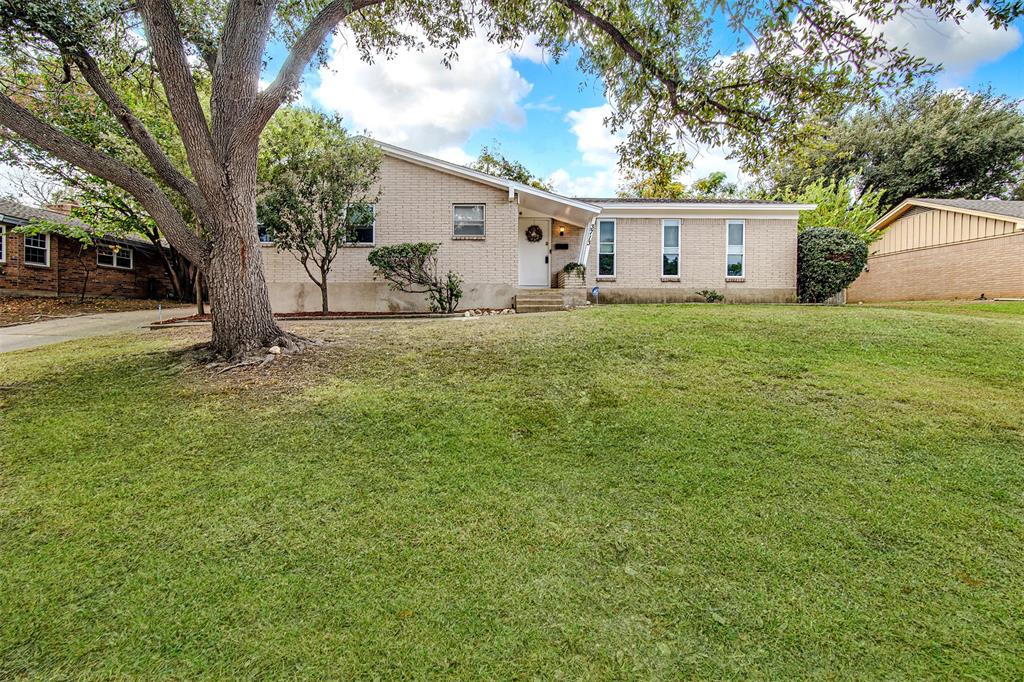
[
  {"x": 923, "y": 143},
  {"x": 491, "y": 160},
  {"x": 840, "y": 204},
  {"x": 318, "y": 188},
  {"x": 655, "y": 58}
]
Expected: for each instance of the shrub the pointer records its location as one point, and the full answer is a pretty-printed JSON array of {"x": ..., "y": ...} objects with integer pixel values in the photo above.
[
  {"x": 574, "y": 268},
  {"x": 412, "y": 268},
  {"x": 828, "y": 260},
  {"x": 711, "y": 296}
]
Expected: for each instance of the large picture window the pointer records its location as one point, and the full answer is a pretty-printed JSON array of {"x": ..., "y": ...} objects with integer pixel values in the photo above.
[
  {"x": 468, "y": 220},
  {"x": 669, "y": 248},
  {"x": 115, "y": 257},
  {"x": 734, "y": 249},
  {"x": 606, "y": 248},
  {"x": 37, "y": 249},
  {"x": 360, "y": 220}
]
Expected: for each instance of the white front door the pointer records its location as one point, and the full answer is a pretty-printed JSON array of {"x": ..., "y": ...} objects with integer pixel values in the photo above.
[{"x": 533, "y": 255}]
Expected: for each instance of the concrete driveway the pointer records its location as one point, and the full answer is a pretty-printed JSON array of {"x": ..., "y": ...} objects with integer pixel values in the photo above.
[{"x": 44, "y": 333}]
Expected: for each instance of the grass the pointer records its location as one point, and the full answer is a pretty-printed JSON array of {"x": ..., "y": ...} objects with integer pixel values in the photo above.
[{"x": 624, "y": 492}]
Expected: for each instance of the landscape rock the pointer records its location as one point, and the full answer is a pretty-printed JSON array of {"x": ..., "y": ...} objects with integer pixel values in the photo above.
[{"x": 274, "y": 350}]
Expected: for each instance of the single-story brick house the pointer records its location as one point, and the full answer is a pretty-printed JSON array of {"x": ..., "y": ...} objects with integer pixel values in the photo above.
[
  {"x": 509, "y": 240},
  {"x": 53, "y": 265},
  {"x": 945, "y": 249}
]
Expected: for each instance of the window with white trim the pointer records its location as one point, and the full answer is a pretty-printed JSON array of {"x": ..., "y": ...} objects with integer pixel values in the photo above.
[
  {"x": 360, "y": 221},
  {"x": 468, "y": 220},
  {"x": 120, "y": 257},
  {"x": 37, "y": 249},
  {"x": 669, "y": 248},
  {"x": 734, "y": 248},
  {"x": 3, "y": 243},
  {"x": 606, "y": 248}
]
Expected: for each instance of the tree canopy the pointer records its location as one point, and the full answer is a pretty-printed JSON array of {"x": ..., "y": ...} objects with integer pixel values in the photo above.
[
  {"x": 491, "y": 160},
  {"x": 318, "y": 186},
  {"x": 923, "y": 143}
]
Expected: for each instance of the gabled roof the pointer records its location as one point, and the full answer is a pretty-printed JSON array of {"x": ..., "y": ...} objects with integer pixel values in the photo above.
[
  {"x": 561, "y": 207},
  {"x": 988, "y": 208},
  {"x": 14, "y": 212}
]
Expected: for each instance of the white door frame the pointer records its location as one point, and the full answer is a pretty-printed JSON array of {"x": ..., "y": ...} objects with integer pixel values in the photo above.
[{"x": 545, "y": 223}]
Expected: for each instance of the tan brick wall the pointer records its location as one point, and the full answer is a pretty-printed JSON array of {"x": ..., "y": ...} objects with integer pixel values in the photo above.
[
  {"x": 573, "y": 237},
  {"x": 769, "y": 261},
  {"x": 993, "y": 266},
  {"x": 416, "y": 206}
]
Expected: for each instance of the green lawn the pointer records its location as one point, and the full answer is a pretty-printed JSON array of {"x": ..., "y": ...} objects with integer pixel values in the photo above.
[{"x": 627, "y": 492}]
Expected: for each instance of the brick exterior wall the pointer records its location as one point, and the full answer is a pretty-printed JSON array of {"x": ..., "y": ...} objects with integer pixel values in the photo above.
[
  {"x": 64, "y": 275},
  {"x": 993, "y": 266},
  {"x": 415, "y": 206},
  {"x": 769, "y": 261}
]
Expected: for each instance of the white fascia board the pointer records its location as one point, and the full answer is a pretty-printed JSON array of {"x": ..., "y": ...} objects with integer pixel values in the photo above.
[{"x": 704, "y": 208}]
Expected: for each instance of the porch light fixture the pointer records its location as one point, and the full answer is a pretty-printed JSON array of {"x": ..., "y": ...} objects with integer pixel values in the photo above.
[{"x": 561, "y": 230}]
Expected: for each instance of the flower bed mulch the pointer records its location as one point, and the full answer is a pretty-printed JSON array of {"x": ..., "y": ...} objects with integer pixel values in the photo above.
[{"x": 474, "y": 312}]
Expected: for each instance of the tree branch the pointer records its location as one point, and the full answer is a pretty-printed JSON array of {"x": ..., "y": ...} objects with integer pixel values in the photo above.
[
  {"x": 137, "y": 131},
  {"x": 671, "y": 84},
  {"x": 133, "y": 181},
  {"x": 287, "y": 80},
  {"x": 164, "y": 36}
]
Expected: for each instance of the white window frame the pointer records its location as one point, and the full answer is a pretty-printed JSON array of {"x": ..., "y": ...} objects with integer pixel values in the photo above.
[
  {"x": 113, "y": 263},
  {"x": 25, "y": 245},
  {"x": 3, "y": 243},
  {"x": 678, "y": 247},
  {"x": 742, "y": 249},
  {"x": 373, "y": 226},
  {"x": 482, "y": 205},
  {"x": 615, "y": 247}
]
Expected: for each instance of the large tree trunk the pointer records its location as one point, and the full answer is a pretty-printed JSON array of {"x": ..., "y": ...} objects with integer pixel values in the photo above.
[{"x": 243, "y": 322}]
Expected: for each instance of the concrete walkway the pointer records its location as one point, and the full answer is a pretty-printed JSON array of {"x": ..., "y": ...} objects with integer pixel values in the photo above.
[{"x": 83, "y": 326}]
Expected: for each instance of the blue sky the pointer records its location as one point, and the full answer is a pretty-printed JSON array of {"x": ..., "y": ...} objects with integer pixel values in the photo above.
[{"x": 549, "y": 115}]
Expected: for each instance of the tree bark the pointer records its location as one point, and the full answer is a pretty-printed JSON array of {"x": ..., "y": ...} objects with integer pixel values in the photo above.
[{"x": 243, "y": 321}]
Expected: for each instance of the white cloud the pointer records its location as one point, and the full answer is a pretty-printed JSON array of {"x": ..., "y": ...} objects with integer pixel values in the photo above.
[
  {"x": 546, "y": 104},
  {"x": 597, "y": 146},
  {"x": 530, "y": 50},
  {"x": 414, "y": 101},
  {"x": 960, "y": 48}
]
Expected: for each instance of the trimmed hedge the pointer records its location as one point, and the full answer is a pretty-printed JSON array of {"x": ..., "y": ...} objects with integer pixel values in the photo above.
[{"x": 828, "y": 260}]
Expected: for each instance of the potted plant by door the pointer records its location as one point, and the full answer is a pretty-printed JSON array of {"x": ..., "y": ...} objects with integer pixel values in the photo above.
[{"x": 572, "y": 275}]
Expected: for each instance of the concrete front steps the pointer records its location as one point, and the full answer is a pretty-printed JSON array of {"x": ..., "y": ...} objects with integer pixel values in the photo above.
[{"x": 547, "y": 300}]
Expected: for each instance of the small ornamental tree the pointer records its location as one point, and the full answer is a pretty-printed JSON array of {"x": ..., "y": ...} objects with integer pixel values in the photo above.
[
  {"x": 412, "y": 268},
  {"x": 318, "y": 186},
  {"x": 829, "y": 259}
]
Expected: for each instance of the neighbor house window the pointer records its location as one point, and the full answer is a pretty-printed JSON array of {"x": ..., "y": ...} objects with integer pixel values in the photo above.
[
  {"x": 37, "y": 249},
  {"x": 114, "y": 257},
  {"x": 359, "y": 223},
  {"x": 734, "y": 249},
  {"x": 468, "y": 220},
  {"x": 669, "y": 248},
  {"x": 3, "y": 243},
  {"x": 606, "y": 248},
  {"x": 264, "y": 234}
]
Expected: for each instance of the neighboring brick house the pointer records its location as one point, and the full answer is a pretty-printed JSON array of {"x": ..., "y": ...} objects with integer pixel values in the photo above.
[
  {"x": 52, "y": 265},
  {"x": 945, "y": 249},
  {"x": 508, "y": 239}
]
